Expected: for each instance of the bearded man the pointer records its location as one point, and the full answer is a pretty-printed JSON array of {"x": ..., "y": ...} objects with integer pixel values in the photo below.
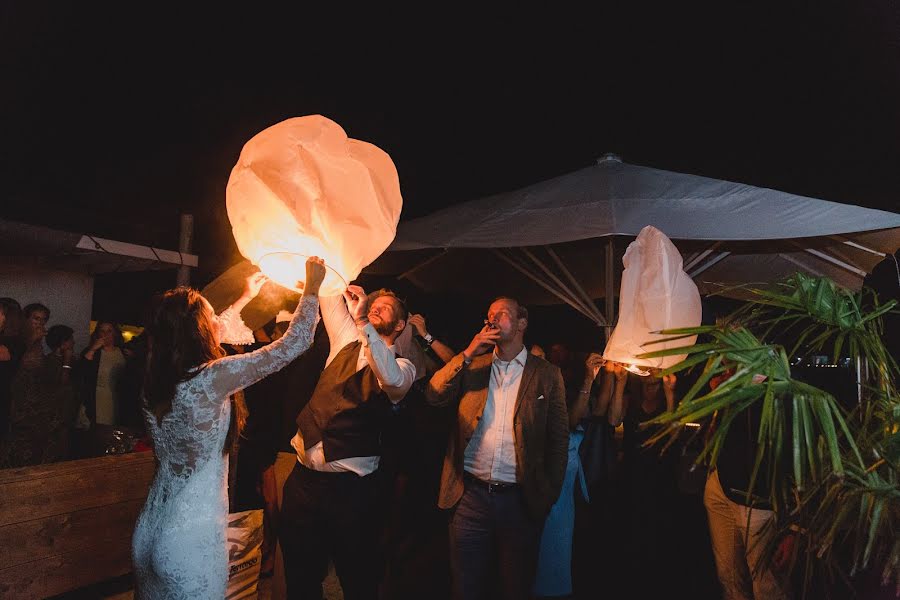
[{"x": 330, "y": 501}]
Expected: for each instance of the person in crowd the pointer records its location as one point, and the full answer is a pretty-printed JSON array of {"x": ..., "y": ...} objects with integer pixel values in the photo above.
[
  {"x": 131, "y": 381},
  {"x": 61, "y": 341},
  {"x": 100, "y": 368},
  {"x": 611, "y": 399},
  {"x": 441, "y": 351},
  {"x": 554, "y": 570},
  {"x": 254, "y": 447},
  {"x": 538, "y": 351},
  {"x": 34, "y": 329},
  {"x": 330, "y": 507},
  {"x": 415, "y": 537},
  {"x": 272, "y": 405},
  {"x": 594, "y": 512},
  {"x": 11, "y": 350},
  {"x": 736, "y": 523},
  {"x": 649, "y": 476},
  {"x": 39, "y": 395},
  {"x": 506, "y": 457},
  {"x": 285, "y": 394},
  {"x": 561, "y": 355},
  {"x": 179, "y": 547}
]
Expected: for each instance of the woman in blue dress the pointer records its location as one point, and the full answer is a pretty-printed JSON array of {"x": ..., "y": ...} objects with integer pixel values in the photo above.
[{"x": 554, "y": 573}]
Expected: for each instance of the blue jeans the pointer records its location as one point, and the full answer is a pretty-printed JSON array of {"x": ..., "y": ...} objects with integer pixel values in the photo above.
[{"x": 492, "y": 537}]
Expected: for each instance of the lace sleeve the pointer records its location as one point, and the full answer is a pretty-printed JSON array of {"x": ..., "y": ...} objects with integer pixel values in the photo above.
[
  {"x": 234, "y": 331},
  {"x": 232, "y": 373}
]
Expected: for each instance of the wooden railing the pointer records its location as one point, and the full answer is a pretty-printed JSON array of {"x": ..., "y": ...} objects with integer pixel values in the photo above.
[{"x": 68, "y": 525}]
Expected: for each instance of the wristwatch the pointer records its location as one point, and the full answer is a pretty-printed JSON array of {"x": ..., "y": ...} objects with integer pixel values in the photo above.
[{"x": 428, "y": 338}]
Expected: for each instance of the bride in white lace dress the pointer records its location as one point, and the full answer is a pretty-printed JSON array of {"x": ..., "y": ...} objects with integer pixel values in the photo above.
[{"x": 179, "y": 546}]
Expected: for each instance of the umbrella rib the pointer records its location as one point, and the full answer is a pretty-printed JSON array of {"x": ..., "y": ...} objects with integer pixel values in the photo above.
[
  {"x": 831, "y": 259},
  {"x": 844, "y": 240},
  {"x": 698, "y": 257},
  {"x": 802, "y": 265},
  {"x": 709, "y": 263},
  {"x": 543, "y": 284},
  {"x": 585, "y": 305},
  {"x": 577, "y": 286},
  {"x": 422, "y": 264}
]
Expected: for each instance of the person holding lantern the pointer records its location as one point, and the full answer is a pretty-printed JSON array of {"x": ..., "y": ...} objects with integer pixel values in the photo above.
[
  {"x": 330, "y": 500},
  {"x": 179, "y": 548}
]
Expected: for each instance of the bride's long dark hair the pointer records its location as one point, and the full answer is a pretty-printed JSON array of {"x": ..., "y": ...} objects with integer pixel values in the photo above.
[{"x": 182, "y": 340}]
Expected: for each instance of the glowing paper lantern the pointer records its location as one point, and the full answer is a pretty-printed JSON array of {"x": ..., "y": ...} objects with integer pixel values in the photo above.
[
  {"x": 656, "y": 294},
  {"x": 302, "y": 188}
]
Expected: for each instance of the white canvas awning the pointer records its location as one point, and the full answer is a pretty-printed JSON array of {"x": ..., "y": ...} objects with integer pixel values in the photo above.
[{"x": 25, "y": 245}]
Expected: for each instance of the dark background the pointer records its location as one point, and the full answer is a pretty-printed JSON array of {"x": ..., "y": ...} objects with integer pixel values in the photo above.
[{"x": 116, "y": 118}]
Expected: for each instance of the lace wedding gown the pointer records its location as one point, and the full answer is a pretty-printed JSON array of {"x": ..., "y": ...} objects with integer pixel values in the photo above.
[{"x": 179, "y": 546}]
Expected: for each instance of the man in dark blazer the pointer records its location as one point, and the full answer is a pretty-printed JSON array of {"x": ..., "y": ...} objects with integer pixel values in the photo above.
[{"x": 506, "y": 457}]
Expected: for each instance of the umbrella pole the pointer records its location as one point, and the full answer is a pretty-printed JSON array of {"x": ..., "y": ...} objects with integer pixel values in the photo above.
[{"x": 610, "y": 287}]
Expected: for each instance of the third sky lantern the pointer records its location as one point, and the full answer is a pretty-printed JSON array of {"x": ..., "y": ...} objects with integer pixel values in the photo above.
[
  {"x": 303, "y": 188},
  {"x": 656, "y": 294}
]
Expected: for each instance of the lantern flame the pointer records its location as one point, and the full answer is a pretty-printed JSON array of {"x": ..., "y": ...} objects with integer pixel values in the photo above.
[
  {"x": 633, "y": 368},
  {"x": 288, "y": 269}
]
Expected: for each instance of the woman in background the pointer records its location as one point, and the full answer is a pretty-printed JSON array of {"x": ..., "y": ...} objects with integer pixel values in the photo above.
[{"x": 100, "y": 368}]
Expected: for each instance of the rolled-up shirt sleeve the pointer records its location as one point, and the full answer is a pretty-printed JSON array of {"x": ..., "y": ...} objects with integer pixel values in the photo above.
[{"x": 395, "y": 374}]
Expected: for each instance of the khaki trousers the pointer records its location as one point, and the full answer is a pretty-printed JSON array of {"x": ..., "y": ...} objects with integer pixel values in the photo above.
[{"x": 737, "y": 546}]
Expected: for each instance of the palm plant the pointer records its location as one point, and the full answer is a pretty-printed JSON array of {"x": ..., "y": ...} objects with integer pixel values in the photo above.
[{"x": 832, "y": 463}]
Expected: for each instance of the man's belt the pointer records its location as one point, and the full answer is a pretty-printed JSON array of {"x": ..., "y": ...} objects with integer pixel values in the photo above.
[{"x": 491, "y": 486}]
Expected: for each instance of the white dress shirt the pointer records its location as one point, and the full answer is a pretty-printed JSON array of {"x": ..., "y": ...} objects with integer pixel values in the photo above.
[
  {"x": 395, "y": 375},
  {"x": 491, "y": 453}
]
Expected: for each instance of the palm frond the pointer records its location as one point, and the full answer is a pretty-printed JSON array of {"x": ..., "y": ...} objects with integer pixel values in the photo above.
[{"x": 833, "y": 472}]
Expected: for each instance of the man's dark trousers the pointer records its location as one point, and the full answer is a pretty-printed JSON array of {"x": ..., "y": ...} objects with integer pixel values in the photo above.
[
  {"x": 493, "y": 537},
  {"x": 330, "y": 516}
]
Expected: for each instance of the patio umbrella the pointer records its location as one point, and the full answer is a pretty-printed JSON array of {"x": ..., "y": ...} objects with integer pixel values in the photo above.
[{"x": 561, "y": 240}]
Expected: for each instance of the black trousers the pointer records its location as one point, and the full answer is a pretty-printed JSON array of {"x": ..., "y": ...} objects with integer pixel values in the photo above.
[
  {"x": 330, "y": 516},
  {"x": 494, "y": 545}
]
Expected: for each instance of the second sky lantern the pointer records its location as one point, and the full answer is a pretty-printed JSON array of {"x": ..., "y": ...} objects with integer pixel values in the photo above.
[{"x": 656, "y": 294}]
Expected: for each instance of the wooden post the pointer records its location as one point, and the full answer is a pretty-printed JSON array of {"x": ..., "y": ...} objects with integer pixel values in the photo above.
[{"x": 185, "y": 241}]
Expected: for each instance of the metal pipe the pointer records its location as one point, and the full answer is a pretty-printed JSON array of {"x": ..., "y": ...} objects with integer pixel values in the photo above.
[
  {"x": 610, "y": 284},
  {"x": 185, "y": 241}
]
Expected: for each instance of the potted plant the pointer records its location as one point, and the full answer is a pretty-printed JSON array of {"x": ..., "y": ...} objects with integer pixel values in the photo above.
[{"x": 831, "y": 462}]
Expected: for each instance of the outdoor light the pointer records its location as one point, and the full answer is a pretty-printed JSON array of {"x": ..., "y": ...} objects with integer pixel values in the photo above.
[
  {"x": 656, "y": 294},
  {"x": 303, "y": 188}
]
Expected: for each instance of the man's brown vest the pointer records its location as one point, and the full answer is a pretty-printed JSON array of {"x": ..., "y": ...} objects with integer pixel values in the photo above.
[{"x": 347, "y": 410}]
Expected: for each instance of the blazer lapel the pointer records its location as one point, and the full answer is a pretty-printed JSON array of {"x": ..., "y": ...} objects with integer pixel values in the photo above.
[
  {"x": 527, "y": 374},
  {"x": 482, "y": 366}
]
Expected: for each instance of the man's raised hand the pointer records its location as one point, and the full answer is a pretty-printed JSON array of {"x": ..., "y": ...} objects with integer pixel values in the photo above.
[
  {"x": 418, "y": 323},
  {"x": 357, "y": 304},
  {"x": 482, "y": 343}
]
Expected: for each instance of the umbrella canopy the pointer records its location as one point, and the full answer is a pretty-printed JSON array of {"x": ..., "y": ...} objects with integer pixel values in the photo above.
[{"x": 562, "y": 239}]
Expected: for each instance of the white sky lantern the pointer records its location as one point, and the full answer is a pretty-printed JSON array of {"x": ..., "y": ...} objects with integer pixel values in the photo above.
[
  {"x": 303, "y": 188},
  {"x": 656, "y": 294}
]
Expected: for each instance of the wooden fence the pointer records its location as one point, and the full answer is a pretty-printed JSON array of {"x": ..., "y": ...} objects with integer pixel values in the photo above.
[{"x": 68, "y": 525}]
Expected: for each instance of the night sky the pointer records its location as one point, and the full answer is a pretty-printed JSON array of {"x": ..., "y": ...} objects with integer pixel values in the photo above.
[{"x": 116, "y": 118}]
